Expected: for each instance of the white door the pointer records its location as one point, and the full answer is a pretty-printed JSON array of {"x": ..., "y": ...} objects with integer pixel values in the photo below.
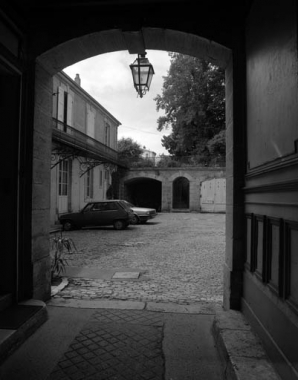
[
  {"x": 220, "y": 195},
  {"x": 207, "y": 196},
  {"x": 213, "y": 195}
]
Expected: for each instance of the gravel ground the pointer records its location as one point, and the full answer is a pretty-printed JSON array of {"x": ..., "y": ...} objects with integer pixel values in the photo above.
[{"x": 179, "y": 255}]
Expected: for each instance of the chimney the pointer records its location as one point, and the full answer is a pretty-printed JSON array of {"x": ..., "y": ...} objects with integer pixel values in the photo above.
[{"x": 78, "y": 79}]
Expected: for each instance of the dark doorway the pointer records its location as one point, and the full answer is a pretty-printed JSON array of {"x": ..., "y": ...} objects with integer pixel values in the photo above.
[
  {"x": 10, "y": 85},
  {"x": 181, "y": 193},
  {"x": 144, "y": 192}
]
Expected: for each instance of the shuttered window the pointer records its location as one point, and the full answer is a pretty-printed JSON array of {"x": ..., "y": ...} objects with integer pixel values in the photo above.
[
  {"x": 63, "y": 178},
  {"x": 89, "y": 184}
]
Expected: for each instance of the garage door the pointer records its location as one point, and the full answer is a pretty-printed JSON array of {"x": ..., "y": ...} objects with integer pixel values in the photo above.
[{"x": 213, "y": 195}]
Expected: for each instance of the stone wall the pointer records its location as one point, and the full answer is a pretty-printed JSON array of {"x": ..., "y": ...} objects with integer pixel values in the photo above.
[
  {"x": 41, "y": 185},
  {"x": 195, "y": 175},
  {"x": 235, "y": 165}
]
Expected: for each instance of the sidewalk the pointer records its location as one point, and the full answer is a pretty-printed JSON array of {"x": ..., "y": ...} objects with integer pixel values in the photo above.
[
  {"x": 143, "y": 303},
  {"x": 130, "y": 340},
  {"x": 120, "y": 341}
]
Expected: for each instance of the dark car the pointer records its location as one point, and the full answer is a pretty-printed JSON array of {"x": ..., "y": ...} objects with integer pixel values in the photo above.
[
  {"x": 142, "y": 214},
  {"x": 100, "y": 213}
]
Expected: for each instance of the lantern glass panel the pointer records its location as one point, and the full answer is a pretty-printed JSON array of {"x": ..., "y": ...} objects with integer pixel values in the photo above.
[
  {"x": 143, "y": 75},
  {"x": 135, "y": 74},
  {"x": 150, "y": 76}
]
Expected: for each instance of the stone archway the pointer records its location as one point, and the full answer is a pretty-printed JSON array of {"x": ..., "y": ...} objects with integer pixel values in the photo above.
[
  {"x": 86, "y": 46},
  {"x": 92, "y": 44}
]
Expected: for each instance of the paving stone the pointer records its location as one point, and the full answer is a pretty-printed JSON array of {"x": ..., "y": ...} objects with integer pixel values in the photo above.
[
  {"x": 240, "y": 348},
  {"x": 115, "y": 344},
  {"x": 243, "y": 368},
  {"x": 126, "y": 275},
  {"x": 232, "y": 320},
  {"x": 180, "y": 260},
  {"x": 242, "y": 343}
]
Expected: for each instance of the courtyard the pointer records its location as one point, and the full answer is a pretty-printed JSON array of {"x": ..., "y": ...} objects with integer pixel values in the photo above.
[{"x": 174, "y": 258}]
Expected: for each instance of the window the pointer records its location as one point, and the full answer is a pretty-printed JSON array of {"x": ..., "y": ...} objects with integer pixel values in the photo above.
[
  {"x": 109, "y": 206},
  {"x": 107, "y": 134},
  {"x": 90, "y": 122},
  {"x": 113, "y": 206},
  {"x": 64, "y": 109},
  {"x": 63, "y": 178},
  {"x": 97, "y": 207},
  {"x": 88, "y": 207},
  {"x": 100, "y": 178},
  {"x": 89, "y": 184},
  {"x": 107, "y": 176}
]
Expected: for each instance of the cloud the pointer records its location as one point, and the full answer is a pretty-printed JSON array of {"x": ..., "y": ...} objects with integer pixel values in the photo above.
[{"x": 108, "y": 79}]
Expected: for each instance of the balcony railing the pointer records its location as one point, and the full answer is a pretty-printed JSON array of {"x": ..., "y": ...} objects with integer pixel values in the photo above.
[{"x": 83, "y": 143}]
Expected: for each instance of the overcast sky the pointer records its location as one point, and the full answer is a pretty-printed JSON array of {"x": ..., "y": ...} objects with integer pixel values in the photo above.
[{"x": 108, "y": 79}]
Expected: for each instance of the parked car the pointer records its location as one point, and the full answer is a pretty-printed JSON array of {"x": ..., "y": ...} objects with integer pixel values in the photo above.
[
  {"x": 142, "y": 214},
  {"x": 100, "y": 213}
]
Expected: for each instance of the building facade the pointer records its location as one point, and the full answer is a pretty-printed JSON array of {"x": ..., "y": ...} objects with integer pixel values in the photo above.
[
  {"x": 149, "y": 155},
  {"x": 84, "y": 147}
]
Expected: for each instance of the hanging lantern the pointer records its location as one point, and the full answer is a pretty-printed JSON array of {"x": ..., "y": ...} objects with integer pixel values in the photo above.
[{"x": 142, "y": 73}]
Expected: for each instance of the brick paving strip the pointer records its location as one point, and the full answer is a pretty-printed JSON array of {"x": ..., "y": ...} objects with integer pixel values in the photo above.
[
  {"x": 115, "y": 344},
  {"x": 145, "y": 291}
]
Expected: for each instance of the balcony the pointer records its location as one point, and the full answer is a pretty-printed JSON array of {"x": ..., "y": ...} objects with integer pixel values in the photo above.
[{"x": 82, "y": 144}]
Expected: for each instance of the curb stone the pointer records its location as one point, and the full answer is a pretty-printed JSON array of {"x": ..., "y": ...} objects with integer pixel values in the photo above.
[
  {"x": 10, "y": 340},
  {"x": 61, "y": 286},
  {"x": 240, "y": 349}
]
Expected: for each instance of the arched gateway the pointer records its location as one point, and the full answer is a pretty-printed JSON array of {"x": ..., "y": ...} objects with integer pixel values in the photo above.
[
  {"x": 87, "y": 45},
  {"x": 181, "y": 194},
  {"x": 256, "y": 43},
  {"x": 78, "y": 39}
]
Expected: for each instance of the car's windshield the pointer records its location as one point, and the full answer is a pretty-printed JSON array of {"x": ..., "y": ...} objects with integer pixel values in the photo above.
[
  {"x": 88, "y": 207},
  {"x": 126, "y": 204}
]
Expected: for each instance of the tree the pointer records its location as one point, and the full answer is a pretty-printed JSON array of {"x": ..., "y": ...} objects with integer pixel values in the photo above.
[
  {"x": 194, "y": 105},
  {"x": 129, "y": 150},
  {"x": 217, "y": 145}
]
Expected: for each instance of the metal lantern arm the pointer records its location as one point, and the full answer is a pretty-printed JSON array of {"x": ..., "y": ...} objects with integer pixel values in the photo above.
[{"x": 142, "y": 73}]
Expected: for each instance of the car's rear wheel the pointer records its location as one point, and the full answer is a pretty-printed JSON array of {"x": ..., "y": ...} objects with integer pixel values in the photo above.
[
  {"x": 68, "y": 225},
  {"x": 134, "y": 220},
  {"x": 119, "y": 225}
]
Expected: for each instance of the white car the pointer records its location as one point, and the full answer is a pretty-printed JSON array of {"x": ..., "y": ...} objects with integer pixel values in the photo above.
[{"x": 141, "y": 214}]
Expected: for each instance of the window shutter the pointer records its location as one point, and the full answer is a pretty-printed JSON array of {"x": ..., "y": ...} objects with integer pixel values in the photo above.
[
  {"x": 69, "y": 110},
  {"x": 60, "y": 113},
  {"x": 90, "y": 123}
]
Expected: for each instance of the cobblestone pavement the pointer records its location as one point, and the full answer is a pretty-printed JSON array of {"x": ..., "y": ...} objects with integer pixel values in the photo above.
[
  {"x": 115, "y": 344},
  {"x": 179, "y": 256}
]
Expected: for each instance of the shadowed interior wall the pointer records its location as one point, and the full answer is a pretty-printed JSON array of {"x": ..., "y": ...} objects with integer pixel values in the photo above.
[{"x": 270, "y": 296}]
